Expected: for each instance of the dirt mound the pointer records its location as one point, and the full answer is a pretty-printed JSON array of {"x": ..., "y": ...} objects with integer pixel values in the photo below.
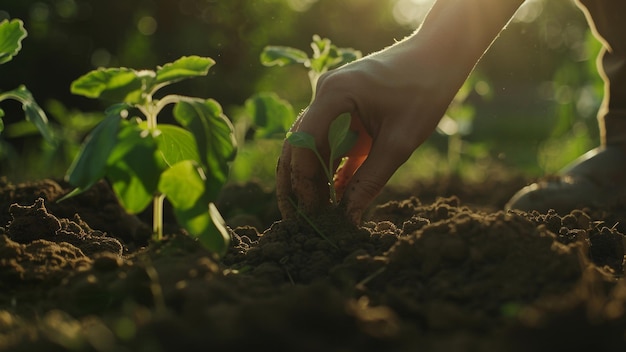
[{"x": 436, "y": 276}]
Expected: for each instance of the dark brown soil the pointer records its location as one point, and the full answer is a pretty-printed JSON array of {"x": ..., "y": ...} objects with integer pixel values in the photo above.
[{"x": 427, "y": 274}]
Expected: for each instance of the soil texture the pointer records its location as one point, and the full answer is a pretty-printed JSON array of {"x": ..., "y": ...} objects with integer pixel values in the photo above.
[{"x": 423, "y": 273}]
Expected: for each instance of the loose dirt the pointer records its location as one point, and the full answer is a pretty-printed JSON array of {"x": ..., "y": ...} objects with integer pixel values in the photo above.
[{"x": 422, "y": 274}]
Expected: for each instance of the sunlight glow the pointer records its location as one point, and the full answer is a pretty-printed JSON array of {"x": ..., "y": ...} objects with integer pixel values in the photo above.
[
  {"x": 300, "y": 5},
  {"x": 529, "y": 11},
  {"x": 411, "y": 12},
  {"x": 147, "y": 25}
]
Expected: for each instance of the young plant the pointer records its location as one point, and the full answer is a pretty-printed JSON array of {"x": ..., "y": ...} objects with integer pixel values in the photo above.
[
  {"x": 340, "y": 140},
  {"x": 326, "y": 56},
  {"x": 145, "y": 161},
  {"x": 11, "y": 35}
]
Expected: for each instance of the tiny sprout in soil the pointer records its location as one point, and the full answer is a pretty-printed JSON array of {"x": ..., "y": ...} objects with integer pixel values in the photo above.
[
  {"x": 145, "y": 161},
  {"x": 340, "y": 139}
]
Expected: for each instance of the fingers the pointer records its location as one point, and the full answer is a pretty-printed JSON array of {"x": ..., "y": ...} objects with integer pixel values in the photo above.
[
  {"x": 300, "y": 179},
  {"x": 356, "y": 156},
  {"x": 383, "y": 160},
  {"x": 345, "y": 173}
]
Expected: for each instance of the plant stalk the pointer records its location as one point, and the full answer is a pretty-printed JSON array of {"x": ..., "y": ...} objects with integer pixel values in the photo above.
[{"x": 157, "y": 217}]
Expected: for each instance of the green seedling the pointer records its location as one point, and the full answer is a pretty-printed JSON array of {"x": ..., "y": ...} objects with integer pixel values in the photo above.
[
  {"x": 326, "y": 56},
  {"x": 340, "y": 140},
  {"x": 145, "y": 161},
  {"x": 11, "y": 35}
]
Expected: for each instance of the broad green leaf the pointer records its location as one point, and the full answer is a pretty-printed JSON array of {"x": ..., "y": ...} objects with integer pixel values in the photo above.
[
  {"x": 271, "y": 115},
  {"x": 282, "y": 56},
  {"x": 346, "y": 144},
  {"x": 11, "y": 35},
  {"x": 33, "y": 112},
  {"x": 204, "y": 223},
  {"x": 340, "y": 138},
  {"x": 133, "y": 169},
  {"x": 213, "y": 132},
  {"x": 183, "y": 184},
  {"x": 185, "y": 67},
  {"x": 176, "y": 144},
  {"x": 337, "y": 131},
  {"x": 302, "y": 140},
  {"x": 89, "y": 166},
  {"x": 115, "y": 84},
  {"x": 213, "y": 239}
]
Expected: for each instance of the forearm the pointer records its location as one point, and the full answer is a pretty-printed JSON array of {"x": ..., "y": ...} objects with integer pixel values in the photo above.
[{"x": 456, "y": 33}]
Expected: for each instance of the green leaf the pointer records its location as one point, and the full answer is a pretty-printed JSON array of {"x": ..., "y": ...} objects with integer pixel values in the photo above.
[
  {"x": 185, "y": 67},
  {"x": 33, "y": 112},
  {"x": 176, "y": 144},
  {"x": 183, "y": 184},
  {"x": 271, "y": 115},
  {"x": 213, "y": 132},
  {"x": 340, "y": 138},
  {"x": 89, "y": 166},
  {"x": 204, "y": 222},
  {"x": 221, "y": 239},
  {"x": 11, "y": 35},
  {"x": 115, "y": 84},
  {"x": 133, "y": 169},
  {"x": 302, "y": 140},
  {"x": 346, "y": 144},
  {"x": 337, "y": 131},
  {"x": 282, "y": 56}
]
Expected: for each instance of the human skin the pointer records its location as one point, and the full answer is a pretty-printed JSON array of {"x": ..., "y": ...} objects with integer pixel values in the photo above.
[{"x": 396, "y": 98}]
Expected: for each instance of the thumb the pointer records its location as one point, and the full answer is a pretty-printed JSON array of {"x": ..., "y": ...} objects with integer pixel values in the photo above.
[{"x": 383, "y": 160}]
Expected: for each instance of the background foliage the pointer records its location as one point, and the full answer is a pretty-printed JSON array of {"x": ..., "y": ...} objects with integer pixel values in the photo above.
[{"x": 532, "y": 99}]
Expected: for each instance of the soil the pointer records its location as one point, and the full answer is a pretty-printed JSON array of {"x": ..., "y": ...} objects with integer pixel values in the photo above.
[{"x": 423, "y": 273}]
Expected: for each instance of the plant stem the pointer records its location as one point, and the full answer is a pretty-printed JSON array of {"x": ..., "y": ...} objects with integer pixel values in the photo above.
[
  {"x": 329, "y": 177},
  {"x": 157, "y": 217}
]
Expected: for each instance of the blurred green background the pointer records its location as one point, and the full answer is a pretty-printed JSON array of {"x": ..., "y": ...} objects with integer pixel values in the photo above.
[{"x": 530, "y": 105}]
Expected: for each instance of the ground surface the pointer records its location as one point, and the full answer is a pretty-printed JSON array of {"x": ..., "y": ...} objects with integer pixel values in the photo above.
[{"x": 427, "y": 274}]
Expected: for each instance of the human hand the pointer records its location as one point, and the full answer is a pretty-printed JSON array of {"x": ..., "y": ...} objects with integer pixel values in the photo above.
[
  {"x": 396, "y": 97},
  {"x": 393, "y": 112}
]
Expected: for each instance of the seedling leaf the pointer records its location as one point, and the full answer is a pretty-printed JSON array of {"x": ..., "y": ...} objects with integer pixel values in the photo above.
[
  {"x": 302, "y": 140},
  {"x": 185, "y": 67},
  {"x": 213, "y": 132},
  {"x": 271, "y": 115},
  {"x": 89, "y": 166},
  {"x": 132, "y": 168},
  {"x": 206, "y": 224},
  {"x": 219, "y": 225},
  {"x": 346, "y": 144},
  {"x": 115, "y": 84},
  {"x": 340, "y": 138},
  {"x": 338, "y": 130},
  {"x": 282, "y": 56},
  {"x": 183, "y": 184},
  {"x": 176, "y": 144},
  {"x": 33, "y": 112},
  {"x": 11, "y": 35}
]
